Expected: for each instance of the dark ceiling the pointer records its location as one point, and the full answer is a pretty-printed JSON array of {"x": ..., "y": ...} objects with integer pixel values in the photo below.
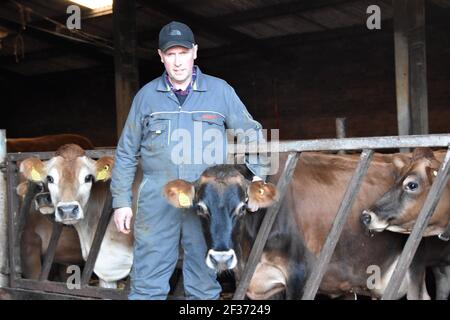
[{"x": 34, "y": 39}]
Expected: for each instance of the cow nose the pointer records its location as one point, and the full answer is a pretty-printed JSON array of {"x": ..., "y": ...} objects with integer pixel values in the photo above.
[
  {"x": 69, "y": 211},
  {"x": 366, "y": 218},
  {"x": 221, "y": 260}
]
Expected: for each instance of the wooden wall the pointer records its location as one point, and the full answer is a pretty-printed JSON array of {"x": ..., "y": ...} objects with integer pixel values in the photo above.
[{"x": 301, "y": 92}]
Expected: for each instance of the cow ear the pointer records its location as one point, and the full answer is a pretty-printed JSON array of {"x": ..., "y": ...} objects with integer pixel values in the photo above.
[
  {"x": 422, "y": 152},
  {"x": 179, "y": 193},
  {"x": 22, "y": 189},
  {"x": 400, "y": 161},
  {"x": 103, "y": 167},
  {"x": 33, "y": 169},
  {"x": 262, "y": 194}
]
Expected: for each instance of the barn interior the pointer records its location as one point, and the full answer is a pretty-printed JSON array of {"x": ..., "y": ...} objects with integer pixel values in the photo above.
[{"x": 297, "y": 65}]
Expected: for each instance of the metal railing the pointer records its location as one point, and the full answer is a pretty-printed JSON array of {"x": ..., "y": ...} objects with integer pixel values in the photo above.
[
  {"x": 17, "y": 220},
  {"x": 367, "y": 145}
]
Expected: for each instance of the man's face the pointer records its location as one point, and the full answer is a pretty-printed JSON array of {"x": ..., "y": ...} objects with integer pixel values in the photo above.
[{"x": 178, "y": 62}]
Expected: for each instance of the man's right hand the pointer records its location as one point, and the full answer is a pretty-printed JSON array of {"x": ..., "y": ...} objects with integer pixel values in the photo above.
[{"x": 122, "y": 219}]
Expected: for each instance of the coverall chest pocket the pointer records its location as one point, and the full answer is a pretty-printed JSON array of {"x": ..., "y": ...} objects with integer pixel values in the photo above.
[
  {"x": 209, "y": 121},
  {"x": 156, "y": 133}
]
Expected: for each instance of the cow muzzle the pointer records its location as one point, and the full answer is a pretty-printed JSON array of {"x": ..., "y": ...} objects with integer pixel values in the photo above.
[
  {"x": 68, "y": 213},
  {"x": 221, "y": 260},
  {"x": 371, "y": 221},
  {"x": 43, "y": 203}
]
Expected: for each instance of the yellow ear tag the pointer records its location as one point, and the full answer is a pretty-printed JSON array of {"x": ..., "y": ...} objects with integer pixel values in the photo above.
[
  {"x": 435, "y": 173},
  {"x": 261, "y": 191},
  {"x": 35, "y": 176},
  {"x": 102, "y": 174},
  {"x": 184, "y": 200}
]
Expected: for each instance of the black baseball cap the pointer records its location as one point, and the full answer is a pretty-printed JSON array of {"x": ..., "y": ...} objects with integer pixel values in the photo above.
[{"x": 176, "y": 34}]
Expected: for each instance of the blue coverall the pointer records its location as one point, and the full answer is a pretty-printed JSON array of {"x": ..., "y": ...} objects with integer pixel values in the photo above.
[{"x": 150, "y": 135}]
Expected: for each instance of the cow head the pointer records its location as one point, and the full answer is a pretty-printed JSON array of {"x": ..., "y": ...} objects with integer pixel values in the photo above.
[
  {"x": 69, "y": 176},
  {"x": 42, "y": 200},
  {"x": 398, "y": 209},
  {"x": 220, "y": 196}
]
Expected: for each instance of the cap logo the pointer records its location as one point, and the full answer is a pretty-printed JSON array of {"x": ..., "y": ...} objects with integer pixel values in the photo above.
[{"x": 175, "y": 33}]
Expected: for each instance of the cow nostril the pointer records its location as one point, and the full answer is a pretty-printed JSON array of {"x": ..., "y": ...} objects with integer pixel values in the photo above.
[
  {"x": 213, "y": 260},
  {"x": 366, "y": 218},
  {"x": 75, "y": 210},
  {"x": 60, "y": 211},
  {"x": 229, "y": 260}
]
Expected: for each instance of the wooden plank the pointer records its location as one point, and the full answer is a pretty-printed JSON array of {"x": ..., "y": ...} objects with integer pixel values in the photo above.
[
  {"x": 7, "y": 293},
  {"x": 402, "y": 68},
  {"x": 96, "y": 153},
  {"x": 414, "y": 238},
  {"x": 313, "y": 282},
  {"x": 48, "y": 260},
  {"x": 98, "y": 238},
  {"x": 266, "y": 226},
  {"x": 61, "y": 288},
  {"x": 125, "y": 60},
  {"x": 418, "y": 67}
]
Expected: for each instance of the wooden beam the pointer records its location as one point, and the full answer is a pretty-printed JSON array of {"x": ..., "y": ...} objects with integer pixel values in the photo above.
[
  {"x": 210, "y": 26},
  {"x": 418, "y": 67},
  {"x": 402, "y": 67},
  {"x": 125, "y": 59},
  {"x": 268, "y": 12}
]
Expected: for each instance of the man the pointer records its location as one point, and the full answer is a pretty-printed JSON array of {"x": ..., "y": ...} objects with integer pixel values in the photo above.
[{"x": 171, "y": 124}]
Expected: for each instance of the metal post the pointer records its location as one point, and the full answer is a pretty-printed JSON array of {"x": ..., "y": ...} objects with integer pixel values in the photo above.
[
  {"x": 266, "y": 226},
  {"x": 313, "y": 283},
  {"x": 340, "y": 130},
  {"x": 51, "y": 249},
  {"x": 3, "y": 214},
  {"x": 98, "y": 238}
]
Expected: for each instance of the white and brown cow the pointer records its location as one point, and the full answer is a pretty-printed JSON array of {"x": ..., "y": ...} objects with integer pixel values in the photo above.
[{"x": 78, "y": 186}]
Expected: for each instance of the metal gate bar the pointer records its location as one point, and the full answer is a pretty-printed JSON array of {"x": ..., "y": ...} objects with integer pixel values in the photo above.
[
  {"x": 436, "y": 140},
  {"x": 313, "y": 282},
  {"x": 98, "y": 238},
  {"x": 51, "y": 249},
  {"x": 12, "y": 212},
  {"x": 415, "y": 237},
  {"x": 266, "y": 226}
]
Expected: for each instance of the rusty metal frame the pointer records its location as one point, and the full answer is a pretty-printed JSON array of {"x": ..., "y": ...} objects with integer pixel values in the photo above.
[
  {"x": 17, "y": 220},
  {"x": 367, "y": 145}
]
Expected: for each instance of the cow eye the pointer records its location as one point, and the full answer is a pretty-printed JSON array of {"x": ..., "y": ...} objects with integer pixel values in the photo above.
[
  {"x": 412, "y": 186},
  {"x": 89, "y": 178},
  {"x": 50, "y": 179}
]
